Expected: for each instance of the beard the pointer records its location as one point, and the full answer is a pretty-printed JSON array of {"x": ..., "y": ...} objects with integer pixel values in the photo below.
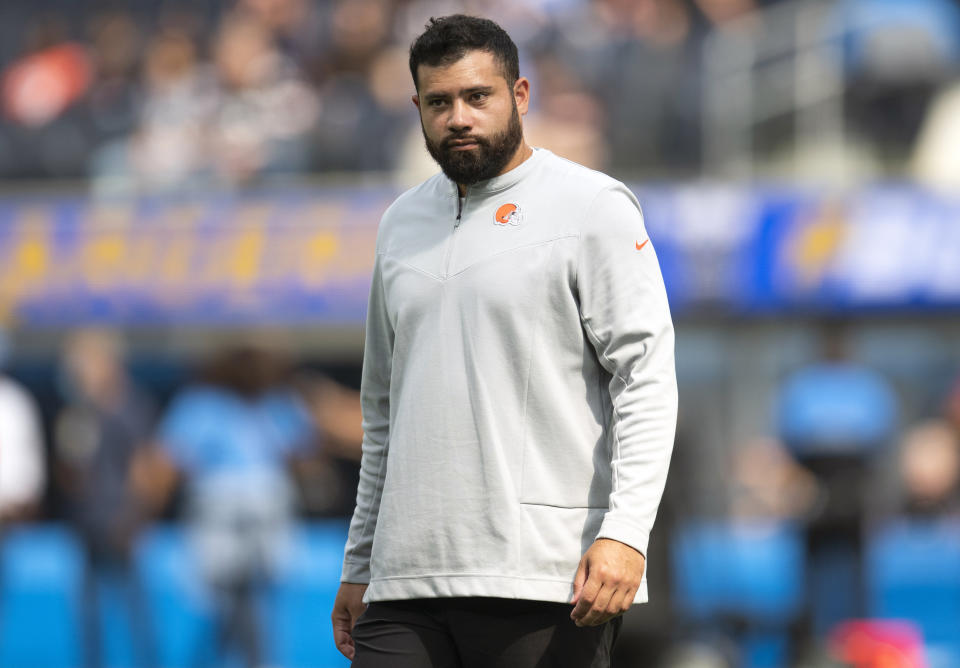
[{"x": 483, "y": 162}]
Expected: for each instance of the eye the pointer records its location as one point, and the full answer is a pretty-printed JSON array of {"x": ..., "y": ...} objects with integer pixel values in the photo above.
[
  {"x": 478, "y": 97},
  {"x": 436, "y": 102}
]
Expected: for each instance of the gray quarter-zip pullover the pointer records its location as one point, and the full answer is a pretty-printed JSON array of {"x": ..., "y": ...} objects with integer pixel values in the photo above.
[{"x": 519, "y": 393}]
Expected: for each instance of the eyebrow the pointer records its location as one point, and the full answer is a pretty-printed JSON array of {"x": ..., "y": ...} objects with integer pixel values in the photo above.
[{"x": 463, "y": 91}]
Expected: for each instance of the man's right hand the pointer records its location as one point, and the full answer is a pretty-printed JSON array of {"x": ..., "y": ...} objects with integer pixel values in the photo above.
[{"x": 346, "y": 608}]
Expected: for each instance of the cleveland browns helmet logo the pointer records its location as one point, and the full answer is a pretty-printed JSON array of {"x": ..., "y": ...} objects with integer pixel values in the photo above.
[{"x": 508, "y": 214}]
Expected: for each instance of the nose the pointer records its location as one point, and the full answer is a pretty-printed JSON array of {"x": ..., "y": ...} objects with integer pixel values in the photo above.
[{"x": 460, "y": 117}]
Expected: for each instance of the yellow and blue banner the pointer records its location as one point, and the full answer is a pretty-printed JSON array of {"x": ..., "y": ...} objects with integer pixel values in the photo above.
[{"x": 304, "y": 257}]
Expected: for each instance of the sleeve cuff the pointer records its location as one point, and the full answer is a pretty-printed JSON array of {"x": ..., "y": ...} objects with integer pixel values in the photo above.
[
  {"x": 355, "y": 572},
  {"x": 626, "y": 532}
]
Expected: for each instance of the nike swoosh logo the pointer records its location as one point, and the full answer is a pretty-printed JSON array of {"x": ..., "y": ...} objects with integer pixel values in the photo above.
[{"x": 641, "y": 245}]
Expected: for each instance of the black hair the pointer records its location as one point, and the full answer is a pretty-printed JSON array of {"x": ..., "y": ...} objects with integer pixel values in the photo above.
[{"x": 448, "y": 39}]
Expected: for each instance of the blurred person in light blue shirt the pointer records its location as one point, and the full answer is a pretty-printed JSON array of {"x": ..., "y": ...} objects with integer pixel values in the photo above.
[
  {"x": 224, "y": 440},
  {"x": 229, "y": 440}
]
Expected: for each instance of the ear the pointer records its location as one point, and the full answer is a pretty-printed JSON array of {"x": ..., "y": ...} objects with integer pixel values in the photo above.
[
  {"x": 416, "y": 101},
  {"x": 521, "y": 93}
]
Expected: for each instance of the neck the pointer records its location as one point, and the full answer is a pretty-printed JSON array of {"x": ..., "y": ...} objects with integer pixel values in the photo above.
[{"x": 523, "y": 152}]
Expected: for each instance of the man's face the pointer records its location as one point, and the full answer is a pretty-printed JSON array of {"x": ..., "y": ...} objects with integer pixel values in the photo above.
[{"x": 471, "y": 116}]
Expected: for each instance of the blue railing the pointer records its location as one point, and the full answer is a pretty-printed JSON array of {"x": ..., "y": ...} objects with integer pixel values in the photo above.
[{"x": 161, "y": 607}]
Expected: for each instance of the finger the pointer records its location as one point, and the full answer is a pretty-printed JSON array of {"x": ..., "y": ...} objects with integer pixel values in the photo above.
[
  {"x": 342, "y": 619},
  {"x": 579, "y": 580},
  {"x": 614, "y": 605},
  {"x": 620, "y": 601},
  {"x": 628, "y": 597},
  {"x": 598, "y": 611},
  {"x": 587, "y": 596},
  {"x": 343, "y": 641},
  {"x": 588, "y": 600}
]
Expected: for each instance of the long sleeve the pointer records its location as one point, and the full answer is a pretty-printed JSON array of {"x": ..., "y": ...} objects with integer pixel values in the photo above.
[
  {"x": 624, "y": 311},
  {"x": 375, "y": 404}
]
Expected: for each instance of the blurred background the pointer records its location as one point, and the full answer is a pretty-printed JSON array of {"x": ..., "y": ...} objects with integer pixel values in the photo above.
[{"x": 189, "y": 194}]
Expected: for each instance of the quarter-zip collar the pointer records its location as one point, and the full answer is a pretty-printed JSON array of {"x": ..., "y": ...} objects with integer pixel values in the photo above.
[{"x": 504, "y": 181}]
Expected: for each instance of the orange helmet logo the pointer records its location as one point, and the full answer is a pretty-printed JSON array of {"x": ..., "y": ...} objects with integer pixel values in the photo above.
[{"x": 508, "y": 214}]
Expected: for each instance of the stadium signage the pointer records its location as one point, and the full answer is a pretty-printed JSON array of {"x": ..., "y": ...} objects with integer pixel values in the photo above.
[{"x": 305, "y": 258}]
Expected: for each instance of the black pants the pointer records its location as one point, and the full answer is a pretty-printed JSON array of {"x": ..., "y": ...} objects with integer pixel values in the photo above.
[{"x": 478, "y": 633}]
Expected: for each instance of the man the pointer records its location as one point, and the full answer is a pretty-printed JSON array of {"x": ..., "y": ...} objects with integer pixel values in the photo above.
[
  {"x": 229, "y": 439},
  {"x": 101, "y": 431},
  {"x": 519, "y": 393}
]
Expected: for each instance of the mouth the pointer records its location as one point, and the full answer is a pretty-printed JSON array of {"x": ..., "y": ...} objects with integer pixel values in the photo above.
[{"x": 462, "y": 144}]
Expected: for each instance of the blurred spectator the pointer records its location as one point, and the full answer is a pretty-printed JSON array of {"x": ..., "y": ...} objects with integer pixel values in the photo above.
[
  {"x": 897, "y": 55},
  {"x": 113, "y": 99},
  {"x": 228, "y": 123},
  {"x": 638, "y": 57},
  {"x": 327, "y": 477},
  {"x": 265, "y": 110},
  {"x": 230, "y": 439},
  {"x": 40, "y": 86},
  {"x": 335, "y": 411},
  {"x": 22, "y": 471},
  {"x": 366, "y": 91},
  {"x": 837, "y": 417},
  {"x": 300, "y": 85},
  {"x": 358, "y": 31},
  {"x": 769, "y": 484},
  {"x": 566, "y": 119},
  {"x": 167, "y": 150},
  {"x": 41, "y": 93},
  {"x": 105, "y": 423},
  {"x": 930, "y": 470},
  {"x": 295, "y": 26}
]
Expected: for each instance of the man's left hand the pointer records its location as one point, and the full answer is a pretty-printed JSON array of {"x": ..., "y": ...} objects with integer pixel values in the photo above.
[{"x": 607, "y": 580}]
